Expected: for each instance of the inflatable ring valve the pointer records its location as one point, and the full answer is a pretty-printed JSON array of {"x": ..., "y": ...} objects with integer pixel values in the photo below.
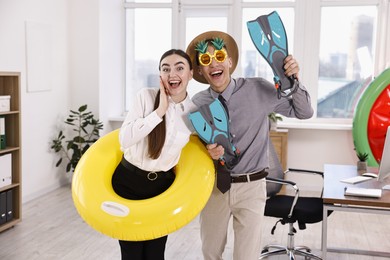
[{"x": 138, "y": 220}]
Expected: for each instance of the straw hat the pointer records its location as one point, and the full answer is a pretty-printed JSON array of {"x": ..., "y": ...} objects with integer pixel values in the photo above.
[{"x": 230, "y": 46}]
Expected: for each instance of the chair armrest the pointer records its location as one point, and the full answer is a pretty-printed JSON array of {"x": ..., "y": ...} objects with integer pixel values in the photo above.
[
  {"x": 306, "y": 171},
  {"x": 303, "y": 171},
  {"x": 293, "y": 185},
  {"x": 281, "y": 181}
]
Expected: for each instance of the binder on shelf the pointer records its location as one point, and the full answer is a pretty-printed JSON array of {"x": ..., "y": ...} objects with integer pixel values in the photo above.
[
  {"x": 5, "y": 103},
  {"x": 2, "y": 133},
  {"x": 3, "y": 207},
  {"x": 5, "y": 170},
  {"x": 9, "y": 206}
]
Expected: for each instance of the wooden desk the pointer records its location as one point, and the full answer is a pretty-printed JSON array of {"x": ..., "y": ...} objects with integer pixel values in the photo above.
[{"x": 334, "y": 200}]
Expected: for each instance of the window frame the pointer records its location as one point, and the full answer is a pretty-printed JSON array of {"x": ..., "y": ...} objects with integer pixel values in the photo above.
[{"x": 304, "y": 52}]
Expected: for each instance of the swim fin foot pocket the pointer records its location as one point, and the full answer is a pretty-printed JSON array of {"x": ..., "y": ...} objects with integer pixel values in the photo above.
[{"x": 269, "y": 37}]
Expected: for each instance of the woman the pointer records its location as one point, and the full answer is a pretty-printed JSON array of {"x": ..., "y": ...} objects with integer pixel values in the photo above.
[{"x": 151, "y": 137}]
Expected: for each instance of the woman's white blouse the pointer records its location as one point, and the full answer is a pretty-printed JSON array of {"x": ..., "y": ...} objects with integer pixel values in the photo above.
[{"x": 142, "y": 119}]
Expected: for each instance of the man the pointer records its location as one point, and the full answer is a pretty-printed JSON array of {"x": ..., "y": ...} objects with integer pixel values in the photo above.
[{"x": 214, "y": 56}]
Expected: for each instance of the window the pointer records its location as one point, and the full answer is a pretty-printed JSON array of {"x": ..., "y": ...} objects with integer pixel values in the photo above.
[
  {"x": 347, "y": 49},
  {"x": 252, "y": 63},
  {"x": 146, "y": 40},
  {"x": 336, "y": 43},
  {"x": 197, "y": 21}
]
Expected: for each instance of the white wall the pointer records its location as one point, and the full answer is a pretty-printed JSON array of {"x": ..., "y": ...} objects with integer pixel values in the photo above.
[
  {"x": 88, "y": 68},
  {"x": 87, "y": 60},
  {"x": 96, "y": 63},
  {"x": 112, "y": 60},
  {"x": 312, "y": 148},
  {"x": 83, "y": 22},
  {"x": 41, "y": 111}
]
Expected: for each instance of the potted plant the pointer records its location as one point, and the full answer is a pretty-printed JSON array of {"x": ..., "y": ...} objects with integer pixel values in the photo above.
[
  {"x": 274, "y": 118},
  {"x": 362, "y": 163},
  {"x": 85, "y": 129}
]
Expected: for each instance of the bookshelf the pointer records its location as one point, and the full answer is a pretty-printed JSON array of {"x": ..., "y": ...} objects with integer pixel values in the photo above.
[{"x": 10, "y": 155}]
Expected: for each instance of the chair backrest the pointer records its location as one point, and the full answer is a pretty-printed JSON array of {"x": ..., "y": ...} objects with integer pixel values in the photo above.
[{"x": 275, "y": 171}]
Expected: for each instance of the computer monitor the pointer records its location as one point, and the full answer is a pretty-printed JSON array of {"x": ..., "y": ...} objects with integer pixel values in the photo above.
[{"x": 384, "y": 166}]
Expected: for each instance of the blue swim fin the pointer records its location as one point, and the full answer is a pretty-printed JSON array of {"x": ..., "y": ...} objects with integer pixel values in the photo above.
[
  {"x": 269, "y": 37},
  {"x": 211, "y": 122}
]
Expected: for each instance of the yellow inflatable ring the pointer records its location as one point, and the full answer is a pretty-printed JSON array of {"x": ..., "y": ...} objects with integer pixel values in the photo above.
[{"x": 137, "y": 220}]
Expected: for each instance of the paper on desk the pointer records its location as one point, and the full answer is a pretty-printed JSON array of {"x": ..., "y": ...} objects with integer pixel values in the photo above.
[
  {"x": 363, "y": 192},
  {"x": 356, "y": 179}
]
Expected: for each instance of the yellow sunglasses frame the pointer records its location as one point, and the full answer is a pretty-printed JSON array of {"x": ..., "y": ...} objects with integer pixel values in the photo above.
[{"x": 214, "y": 56}]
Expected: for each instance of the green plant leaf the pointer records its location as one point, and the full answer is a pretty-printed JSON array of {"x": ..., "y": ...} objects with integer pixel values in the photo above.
[
  {"x": 68, "y": 167},
  {"x": 59, "y": 162},
  {"x": 85, "y": 148},
  {"x": 82, "y": 108},
  {"x": 79, "y": 139},
  {"x": 362, "y": 156}
]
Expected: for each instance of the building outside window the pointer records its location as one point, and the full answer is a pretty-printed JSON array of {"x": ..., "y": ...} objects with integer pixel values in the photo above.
[{"x": 335, "y": 42}]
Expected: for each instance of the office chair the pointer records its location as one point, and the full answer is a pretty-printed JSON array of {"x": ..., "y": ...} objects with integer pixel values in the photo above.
[{"x": 289, "y": 209}]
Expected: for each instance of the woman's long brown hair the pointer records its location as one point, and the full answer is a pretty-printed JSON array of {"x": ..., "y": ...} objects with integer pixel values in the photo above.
[{"x": 156, "y": 138}]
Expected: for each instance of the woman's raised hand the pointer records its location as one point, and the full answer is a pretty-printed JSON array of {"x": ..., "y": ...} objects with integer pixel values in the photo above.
[{"x": 163, "y": 106}]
